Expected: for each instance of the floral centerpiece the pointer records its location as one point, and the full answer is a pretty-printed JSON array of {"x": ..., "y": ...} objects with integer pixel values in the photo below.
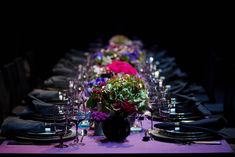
[
  {"x": 117, "y": 92},
  {"x": 124, "y": 53},
  {"x": 119, "y": 40},
  {"x": 120, "y": 48},
  {"x": 121, "y": 96},
  {"x": 116, "y": 99}
]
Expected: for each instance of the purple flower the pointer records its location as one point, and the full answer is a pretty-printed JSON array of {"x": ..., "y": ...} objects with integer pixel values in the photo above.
[
  {"x": 98, "y": 81},
  {"x": 97, "y": 55},
  {"x": 132, "y": 55},
  {"x": 99, "y": 116},
  {"x": 137, "y": 44}
]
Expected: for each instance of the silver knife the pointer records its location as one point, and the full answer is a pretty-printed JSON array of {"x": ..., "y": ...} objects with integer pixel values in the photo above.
[{"x": 207, "y": 142}]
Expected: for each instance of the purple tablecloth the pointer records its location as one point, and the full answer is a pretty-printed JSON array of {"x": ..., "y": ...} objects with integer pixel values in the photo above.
[{"x": 133, "y": 145}]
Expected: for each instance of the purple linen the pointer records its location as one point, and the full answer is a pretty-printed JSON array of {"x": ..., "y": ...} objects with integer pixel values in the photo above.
[{"x": 133, "y": 145}]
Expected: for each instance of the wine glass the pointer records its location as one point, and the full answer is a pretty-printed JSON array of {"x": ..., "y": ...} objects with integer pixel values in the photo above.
[
  {"x": 137, "y": 122},
  {"x": 60, "y": 130},
  {"x": 84, "y": 115},
  {"x": 76, "y": 118}
]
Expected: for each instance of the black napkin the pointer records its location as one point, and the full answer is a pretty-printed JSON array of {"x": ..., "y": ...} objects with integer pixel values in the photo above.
[
  {"x": 174, "y": 73},
  {"x": 177, "y": 86},
  {"x": 166, "y": 59},
  {"x": 63, "y": 71},
  {"x": 75, "y": 59},
  {"x": 35, "y": 106},
  {"x": 45, "y": 95},
  {"x": 57, "y": 82},
  {"x": 44, "y": 108},
  {"x": 66, "y": 62},
  {"x": 160, "y": 54},
  {"x": 15, "y": 125},
  {"x": 61, "y": 65},
  {"x": 166, "y": 65},
  {"x": 75, "y": 52},
  {"x": 193, "y": 88},
  {"x": 203, "y": 109},
  {"x": 22, "y": 111}
]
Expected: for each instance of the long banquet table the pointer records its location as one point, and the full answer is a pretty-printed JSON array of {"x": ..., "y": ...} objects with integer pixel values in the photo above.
[{"x": 133, "y": 145}]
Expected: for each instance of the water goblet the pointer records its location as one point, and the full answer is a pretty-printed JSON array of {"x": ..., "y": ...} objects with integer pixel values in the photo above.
[{"x": 60, "y": 131}]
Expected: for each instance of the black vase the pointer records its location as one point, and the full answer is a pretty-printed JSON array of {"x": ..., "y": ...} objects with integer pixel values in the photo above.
[{"x": 116, "y": 128}]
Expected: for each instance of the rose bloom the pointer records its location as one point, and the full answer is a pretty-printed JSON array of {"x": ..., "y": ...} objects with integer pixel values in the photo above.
[
  {"x": 129, "y": 108},
  {"x": 126, "y": 106},
  {"x": 121, "y": 67}
]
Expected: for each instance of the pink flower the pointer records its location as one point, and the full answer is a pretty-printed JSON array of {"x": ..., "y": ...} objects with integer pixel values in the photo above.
[{"x": 121, "y": 67}]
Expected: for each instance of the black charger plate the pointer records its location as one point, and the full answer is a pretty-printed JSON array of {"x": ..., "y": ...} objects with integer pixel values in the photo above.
[
  {"x": 47, "y": 137},
  {"x": 159, "y": 134}
]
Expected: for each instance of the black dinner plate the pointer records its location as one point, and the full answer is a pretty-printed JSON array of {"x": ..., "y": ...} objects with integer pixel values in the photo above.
[
  {"x": 45, "y": 138},
  {"x": 176, "y": 118},
  {"x": 182, "y": 134},
  {"x": 157, "y": 134}
]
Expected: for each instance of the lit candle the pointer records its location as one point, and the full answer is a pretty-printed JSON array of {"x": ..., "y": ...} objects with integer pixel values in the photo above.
[
  {"x": 151, "y": 59},
  {"x": 160, "y": 83},
  {"x": 71, "y": 84},
  {"x": 156, "y": 74}
]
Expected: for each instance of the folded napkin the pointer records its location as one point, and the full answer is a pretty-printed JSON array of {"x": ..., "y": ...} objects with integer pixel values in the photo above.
[
  {"x": 173, "y": 73},
  {"x": 168, "y": 69},
  {"x": 193, "y": 88},
  {"x": 167, "y": 60},
  {"x": 75, "y": 52},
  {"x": 57, "y": 82},
  {"x": 44, "y": 108},
  {"x": 22, "y": 111},
  {"x": 203, "y": 109},
  {"x": 63, "y": 71},
  {"x": 45, "y": 95},
  {"x": 186, "y": 97},
  {"x": 35, "y": 106},
  {"x": 213, "y": 123},
  {"x": 66, "y": 62},
  {"x": 61, "y": 65},
  {"x": 177, "y": 86},
  {"x": 15, "y": 125},
  {"x": 161, "y": 54},
  {"x": 166, "y": 65},
  {"x": 189, "y": 105},
  {"x": 75, "y": 59}
]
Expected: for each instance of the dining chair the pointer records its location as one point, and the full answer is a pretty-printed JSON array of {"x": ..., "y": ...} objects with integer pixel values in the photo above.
[
  {"x": 4, "y": 99},
  {"x": 12, "y": 84}
]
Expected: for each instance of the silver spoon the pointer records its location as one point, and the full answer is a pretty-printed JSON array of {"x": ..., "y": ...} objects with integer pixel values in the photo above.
[{"x": 83, "y": 133}]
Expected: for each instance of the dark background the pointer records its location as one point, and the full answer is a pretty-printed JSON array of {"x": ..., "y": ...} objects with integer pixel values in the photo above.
[{"x": 199, "y": 36}]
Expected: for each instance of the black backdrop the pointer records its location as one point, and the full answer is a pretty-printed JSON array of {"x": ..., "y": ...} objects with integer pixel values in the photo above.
[{"x": 198, "y": 35}]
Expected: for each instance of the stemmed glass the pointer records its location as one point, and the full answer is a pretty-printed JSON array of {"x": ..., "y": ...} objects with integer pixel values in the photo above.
[
  {"x": 75, "y": 111},
  {"x": 77, "y": 97},
  {"x": 84, "y": 118},
  {"x": 61, "y": 133},
  {"x": 137, "y": 125},
  {"x": 75, "y": 119},
  {"x": 60, "y": 130}
]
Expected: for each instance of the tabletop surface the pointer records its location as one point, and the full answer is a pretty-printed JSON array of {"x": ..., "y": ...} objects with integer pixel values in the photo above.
[{"x": 133, "y": 145}]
